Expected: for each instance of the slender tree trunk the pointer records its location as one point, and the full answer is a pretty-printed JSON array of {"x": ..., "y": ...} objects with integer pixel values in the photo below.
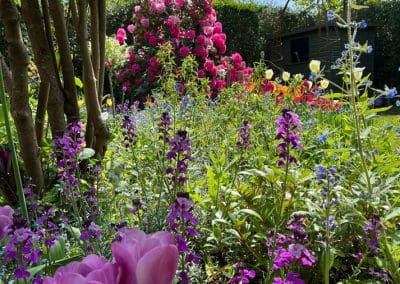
[
  {"x": 100, "y": 130},
  {"x": 19, "y": 96},
  {"x": 6, "y": 75},
  {"x": 71, "y": 108},
  {"x": 45, "y": 62},
  {"x": 44, "y": 91},
  {"x": 94, "y": 39},
  {"x": 102, "y": 46}
]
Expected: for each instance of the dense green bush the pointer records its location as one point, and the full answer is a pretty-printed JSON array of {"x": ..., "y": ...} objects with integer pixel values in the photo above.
[{"x": 242, "y": 27}]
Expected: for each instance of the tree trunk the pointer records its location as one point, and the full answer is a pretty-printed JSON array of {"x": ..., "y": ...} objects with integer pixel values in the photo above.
[
  {"x": 100, "y": 130},
  {"x": 71, "y": 108},
  {"x": 44, "y": 91},
  {"x": 45, "y": 62},
  {"x": 6, "y": 75},
  {"x": 102, "y": 46},
  {"x": 19, "y": 96}
]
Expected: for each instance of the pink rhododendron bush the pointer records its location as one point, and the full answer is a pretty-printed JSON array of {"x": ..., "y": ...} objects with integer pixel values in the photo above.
[{"x": 192, "y": 29}]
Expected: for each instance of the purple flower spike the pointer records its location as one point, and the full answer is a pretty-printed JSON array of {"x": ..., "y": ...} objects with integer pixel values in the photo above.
[{"x": 288, "y": 123}]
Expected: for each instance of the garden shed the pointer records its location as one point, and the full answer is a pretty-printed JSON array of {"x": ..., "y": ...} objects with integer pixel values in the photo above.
[{"x": 293, "y": 51}]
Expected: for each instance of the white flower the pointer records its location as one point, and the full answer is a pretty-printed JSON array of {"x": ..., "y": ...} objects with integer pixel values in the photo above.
[
  {"x": 315, "y": 66},
  {"x": 285, "y": 76},
  {"x": 324, "y": 84},
  {"x": 269, "y": 73},
  {"x": 358, "y": 73}
]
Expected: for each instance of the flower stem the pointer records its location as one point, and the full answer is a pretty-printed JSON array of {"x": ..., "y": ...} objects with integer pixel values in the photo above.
[
  {"x": 14, "y": 159},
  {"x": 353, "y": 93}
]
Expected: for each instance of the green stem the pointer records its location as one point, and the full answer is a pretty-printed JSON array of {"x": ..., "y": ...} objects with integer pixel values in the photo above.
[
  {"x": 14, "y": 159},
  {"x": 353, "y": 93},
  {"x": 327, "y": 237}
]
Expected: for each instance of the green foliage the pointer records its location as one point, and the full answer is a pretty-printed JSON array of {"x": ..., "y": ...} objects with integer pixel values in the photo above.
[{"x": 242, "y": 35}]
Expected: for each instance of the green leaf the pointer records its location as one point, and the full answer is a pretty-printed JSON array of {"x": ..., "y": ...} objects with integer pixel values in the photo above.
[
  {"x": 358, "y": 7},
  {"x": 334, "y": 96},
  {"x": 57, "y": 251},
  {"x": 251, "y": 213},
  {"x": 377, "y": 110},
  {"x": 87, "y": 153},
  {"x": 393, "y": 214},
  {"x": 78, "y": 83}
]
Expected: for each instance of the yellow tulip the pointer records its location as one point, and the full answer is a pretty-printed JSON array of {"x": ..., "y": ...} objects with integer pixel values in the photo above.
[
  {"x": 285, "y": 76},
  {"x": 315, "y": 66},
  {"x": 269, "y": 73},
  {"x": 324, "y": 84}
]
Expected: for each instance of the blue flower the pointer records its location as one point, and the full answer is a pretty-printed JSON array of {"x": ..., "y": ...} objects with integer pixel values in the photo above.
[
  {"x": 398, "y": 103},
  {"x": 323, "y": 138},
  {"x": 370, "y": 49},
  {"x": 330, "y": 16},
  {"x": 312, "y": 76},
  {"x": 392, "y": 93},
  {"x": 363, "y": 24}
]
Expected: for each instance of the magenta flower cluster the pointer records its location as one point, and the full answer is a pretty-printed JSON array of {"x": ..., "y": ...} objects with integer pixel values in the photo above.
[
  {"x": 288, "y": 125},
  {"x": 290, "y": 251},
  {"x": 138, "y": 259},
  {"x": 243, "y": 275},
  {"x": 192, "y": 29}
]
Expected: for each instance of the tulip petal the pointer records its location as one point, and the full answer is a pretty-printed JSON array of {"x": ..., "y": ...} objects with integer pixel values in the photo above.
[
  {"x": 158, "y": 266},
  {"x": 126, "y": 256},
  {"x": 106, "y": 275}
]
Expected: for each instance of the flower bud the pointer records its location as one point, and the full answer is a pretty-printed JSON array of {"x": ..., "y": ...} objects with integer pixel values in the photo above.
[
  {"x": 285, "y": 76},
  {"x": 315, "y": 66},
  {"x": 269, "y": 73}
]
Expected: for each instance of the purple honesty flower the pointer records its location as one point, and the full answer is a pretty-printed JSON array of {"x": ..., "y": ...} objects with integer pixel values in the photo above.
[
  {"x": 6, "y": 220},
  {"x": 164, "y": 127},
  {"x": 182, "y": 223},
  {"x": 291, "y": 278},
  {"x": 145, "y": 259},
  {"x": 242, "y": 274},
  {"x": 288, "y": 123},
  {"x": 374, "y": 230},
  {"x": 244, "y": 135},
  {"x": 92, "y": 269},
  {"x": 180, "y": 153},
  {"x": 128, "y": 126}
]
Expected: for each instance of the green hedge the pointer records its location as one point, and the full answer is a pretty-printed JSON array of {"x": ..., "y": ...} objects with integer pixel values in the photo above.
[
  {"x": 384, "y": 16},
  {"x": 241, "y": 24}
]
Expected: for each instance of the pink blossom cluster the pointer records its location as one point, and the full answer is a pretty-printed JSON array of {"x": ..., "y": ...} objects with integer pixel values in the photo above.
[{"x": 192, "y": 28}]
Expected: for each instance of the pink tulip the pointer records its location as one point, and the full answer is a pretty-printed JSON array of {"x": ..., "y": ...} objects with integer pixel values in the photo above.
[
  {"x": 121, "y": 35},
  {"x": 6, "y": 219},
  {"x": 145, "y": 259},
  {"x": 92, "y": 269}
]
